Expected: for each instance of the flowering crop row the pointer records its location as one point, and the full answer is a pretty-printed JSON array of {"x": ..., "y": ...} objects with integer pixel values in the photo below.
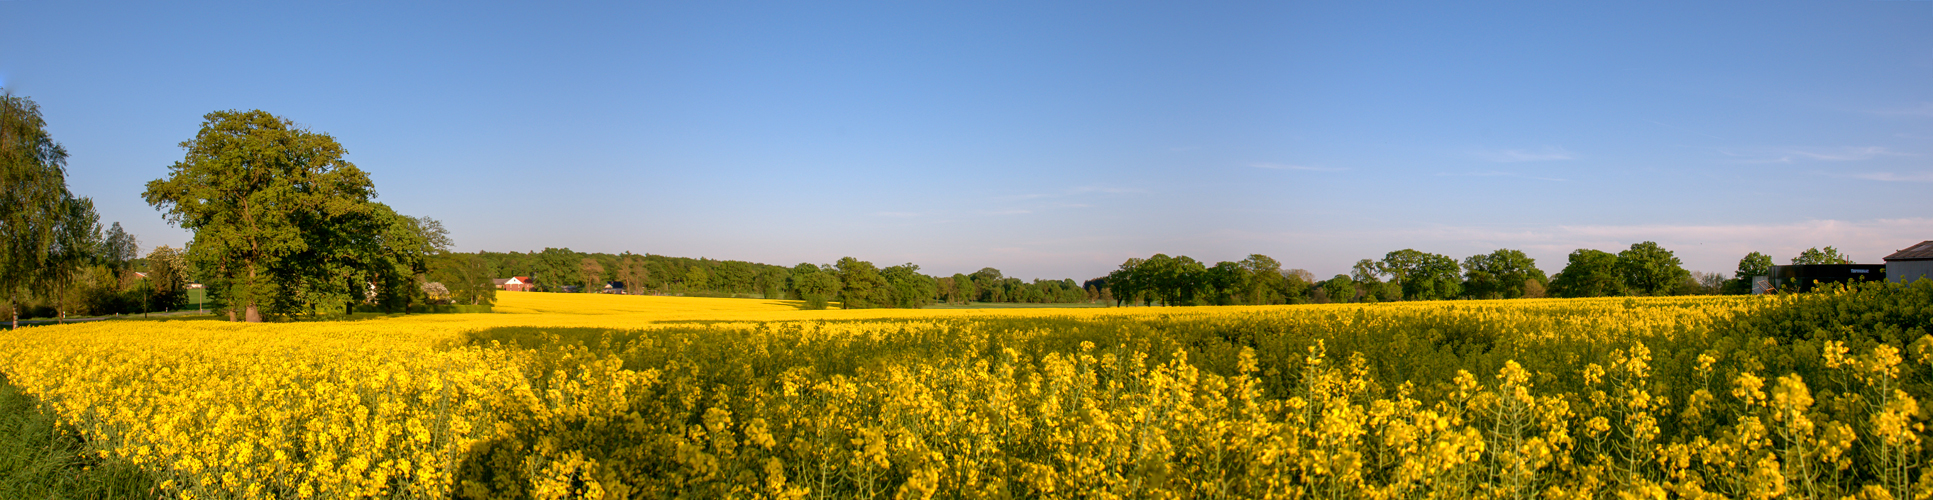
[{"x": 1810, "y": 396}]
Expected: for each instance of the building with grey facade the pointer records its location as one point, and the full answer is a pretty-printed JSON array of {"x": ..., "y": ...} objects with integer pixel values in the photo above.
[{"x": 1913, "y": 263}]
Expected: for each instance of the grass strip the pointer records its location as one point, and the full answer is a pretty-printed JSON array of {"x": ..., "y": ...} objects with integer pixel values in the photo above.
[{"x": 39, "y": 458}]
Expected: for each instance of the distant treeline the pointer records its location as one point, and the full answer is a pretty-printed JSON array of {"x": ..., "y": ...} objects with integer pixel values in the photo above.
[
  {"x": 1643, "y": 269},
  {"x": 854, "y": 283}
]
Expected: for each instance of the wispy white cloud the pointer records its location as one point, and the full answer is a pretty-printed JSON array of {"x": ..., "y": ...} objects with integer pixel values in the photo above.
[
  {"x": 1006, "y": 212},
  {"x": 1791, "y": 155},
  {"x": 1894, "y": 177},
  {"x": 1848, "y": 154},
  {"x": 1494, "y": 173},
  {"x": 1306, "y": 168},
  {"x": 1547, "y": 153}
]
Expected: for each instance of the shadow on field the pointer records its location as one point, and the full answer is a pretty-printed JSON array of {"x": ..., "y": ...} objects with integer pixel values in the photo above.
[
  {"x": 700, "y": 366},
  {"x": 41, "y": 458}
]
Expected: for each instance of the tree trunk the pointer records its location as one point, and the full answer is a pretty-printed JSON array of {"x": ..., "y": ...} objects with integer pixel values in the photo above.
[{"x": 252, "y": 315}]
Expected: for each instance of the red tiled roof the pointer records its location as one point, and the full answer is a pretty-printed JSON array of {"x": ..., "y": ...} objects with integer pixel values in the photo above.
[{"x": 1922, "y": 251}]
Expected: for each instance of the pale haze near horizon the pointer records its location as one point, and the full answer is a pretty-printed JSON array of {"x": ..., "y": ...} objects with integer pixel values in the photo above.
[{"x": 1045, "y": 140}]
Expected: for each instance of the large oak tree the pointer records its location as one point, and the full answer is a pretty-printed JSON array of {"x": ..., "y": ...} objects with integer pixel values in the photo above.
[
  {"x": 280, "y": 219},
  {"x": 1650, "y": 269}
]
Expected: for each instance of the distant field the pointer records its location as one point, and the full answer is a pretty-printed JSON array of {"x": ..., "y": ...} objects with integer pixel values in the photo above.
[
  {"x": 583, "y": 395},
  {"x": 1010, "y": 305}
]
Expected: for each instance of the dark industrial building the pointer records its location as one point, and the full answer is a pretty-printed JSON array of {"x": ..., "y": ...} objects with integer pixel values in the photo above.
[
  {"x": 1804, "y": 278},
  {"x": 1913, "y": 263}
]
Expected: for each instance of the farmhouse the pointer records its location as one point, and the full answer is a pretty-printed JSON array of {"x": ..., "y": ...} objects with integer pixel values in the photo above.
[
  {"x": 516, "y": 284},
  {"x": 1915, "y": 262}
]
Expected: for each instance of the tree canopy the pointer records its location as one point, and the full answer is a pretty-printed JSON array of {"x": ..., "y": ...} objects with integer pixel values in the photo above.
[
  {"x": 1829, "y": 255},
  {"x": 282, "y": 222},
  {"x": 1649, "y": 269},
  {"x": 1503, "y": 274},
  {"x": 46, "y": 232},
  {"x": 815, "y": 285},
  {"x": 1752, "y": 265},
  {"x": 1424, "y": 276},
  {"x": 1589, "y": 273}
]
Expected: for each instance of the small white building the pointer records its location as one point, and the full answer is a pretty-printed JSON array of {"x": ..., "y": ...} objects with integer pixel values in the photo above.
[{"x": 1913, "y": 263}]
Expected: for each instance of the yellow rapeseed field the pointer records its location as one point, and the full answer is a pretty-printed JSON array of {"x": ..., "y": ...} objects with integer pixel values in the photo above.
[{"x": 599, "y": 396}]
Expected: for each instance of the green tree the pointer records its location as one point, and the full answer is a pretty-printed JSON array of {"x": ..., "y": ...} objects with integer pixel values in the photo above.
[
  {"x": 696, "y": 279},
  {"x": 735, "y": 276},
  {"x": 1366, "y": 271},
  {"x": 1829, "y": 255},
  {"x": 963, "y": 289},
  {"x": 1174, "y": 280},
  {"x": 256, "y": 190},
  {"x": 1754, "y": 264},
  {"x": 909, "y": 288},
  {"x": 1126, "y": 283},
  {"x": 861, "y": 285},
  {"x": 1225, "y": 283},
  {"x": 1649, "y": 269},
  {"x": 1298, "y": 285},
  {"x": 815, "y": 285},
  {"x": 949, "y": 289},
  {"x": 392, "y": 250},
  {"x": 592, "y": 273},
  {"x": 1501, "y": 274},
  {"x": 1424, "y": 276},
  {"x": 467, "y": 277},
  {"x": 771, "y": 282},
  {"x": 1589, "y": 273},
  {"x": 1266, "y": 284},
  {"x": 39, "y": 217},
  {"x": 555, "y": 268},
  {"x": 631, "y": 270},
  {"x": 77, "y": 241},
  {"x": 986, "y": 282},
  {"x": 1368, "y": 277},
  {"x": 1338, "y": 290},
  {"x": 167, "y": 278},
  {"x": 118, "y": 249}
]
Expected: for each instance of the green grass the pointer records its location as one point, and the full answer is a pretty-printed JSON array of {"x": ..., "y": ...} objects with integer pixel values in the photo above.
[
  {"x": 1009, "y": 305},
  {"x": 39, "y": 458}
]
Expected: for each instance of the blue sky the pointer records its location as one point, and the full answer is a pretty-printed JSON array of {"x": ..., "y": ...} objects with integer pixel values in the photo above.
[{"x": 1048, "y": 140}]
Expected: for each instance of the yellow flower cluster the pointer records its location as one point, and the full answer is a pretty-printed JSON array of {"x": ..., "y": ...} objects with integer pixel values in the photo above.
[
  {"x": 586, "y": 396},
  {"x": 267, "y": 411}
]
